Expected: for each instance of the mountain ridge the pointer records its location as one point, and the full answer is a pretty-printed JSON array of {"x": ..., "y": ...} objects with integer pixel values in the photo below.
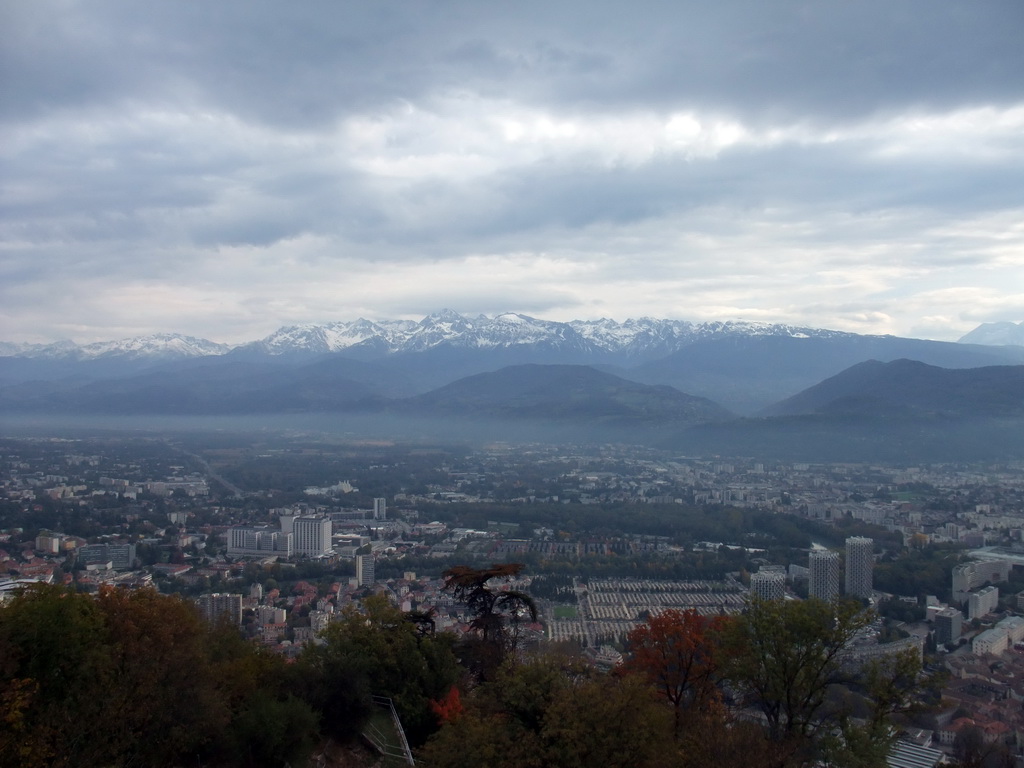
[
  {"x": 565, "y": 392},
  {"x": 996, "y": 334},
  {"x": 910, "y": 387},
  {"x": 742, "y": 366},
  {"x": 633, "y": 338}
]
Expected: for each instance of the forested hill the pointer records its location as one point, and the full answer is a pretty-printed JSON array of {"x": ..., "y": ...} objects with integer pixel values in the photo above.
[{"x": 137, "y": 679}]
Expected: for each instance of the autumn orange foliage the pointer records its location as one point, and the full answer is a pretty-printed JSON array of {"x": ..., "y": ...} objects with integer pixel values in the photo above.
[
  {"x": 448, "y": 708},
  {"x": 675, "y": 650}
]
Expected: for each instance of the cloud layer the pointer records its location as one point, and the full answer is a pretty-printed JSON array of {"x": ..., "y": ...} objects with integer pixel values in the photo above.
[{"x": 224, "y": 169}]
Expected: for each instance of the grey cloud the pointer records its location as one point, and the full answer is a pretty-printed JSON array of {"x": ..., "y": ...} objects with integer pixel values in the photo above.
[
  {"x": 564, "y": 197},
  {"x": 145, "y": 196},
  {"x": 489, "y": 300},
  {"x": 147, "y": 138},
  {"x": 308, "y": 63}
]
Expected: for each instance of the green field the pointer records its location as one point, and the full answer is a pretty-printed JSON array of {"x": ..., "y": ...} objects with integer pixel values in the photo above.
[{"x": 565, "y": 612}]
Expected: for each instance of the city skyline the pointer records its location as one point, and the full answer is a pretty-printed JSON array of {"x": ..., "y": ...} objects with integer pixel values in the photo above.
[{"x": 223, "y": 171}]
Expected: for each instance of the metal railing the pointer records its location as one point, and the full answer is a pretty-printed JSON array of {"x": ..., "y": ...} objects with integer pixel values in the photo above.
[{"x": 380, "y": 740}]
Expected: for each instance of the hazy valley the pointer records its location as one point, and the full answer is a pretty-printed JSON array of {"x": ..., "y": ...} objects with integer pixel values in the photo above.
[{"x": 735, "y": 388}]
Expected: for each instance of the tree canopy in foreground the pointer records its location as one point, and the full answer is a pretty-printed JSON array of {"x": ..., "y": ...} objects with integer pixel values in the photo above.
[{"x": 137, "y": 679}]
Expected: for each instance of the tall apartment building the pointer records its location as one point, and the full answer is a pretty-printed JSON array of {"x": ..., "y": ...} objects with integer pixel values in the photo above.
[
  {"x": 970, "y": 576},
  {"x": 380, "y": 509},
  {"x": 217, "y": 604},
  {"x": 768, "y": 585},
  {"x": 311, "y": 536},
  {"x": 823, "y": 575},
  {"x": 364, "y": 570},
  {"x": 860, "y": 562}
]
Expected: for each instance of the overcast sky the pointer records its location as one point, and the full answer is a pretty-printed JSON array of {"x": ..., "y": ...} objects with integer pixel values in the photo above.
[{"x": 225, "y": 168}]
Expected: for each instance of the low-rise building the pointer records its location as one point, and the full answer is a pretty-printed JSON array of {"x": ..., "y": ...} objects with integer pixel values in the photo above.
[
  {"x": 992, "y": 641},
  {"x": 244, "y": 541}
]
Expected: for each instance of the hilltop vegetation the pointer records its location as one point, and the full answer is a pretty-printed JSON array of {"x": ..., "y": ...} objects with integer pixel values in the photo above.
[{"x": 136, "y": 679}]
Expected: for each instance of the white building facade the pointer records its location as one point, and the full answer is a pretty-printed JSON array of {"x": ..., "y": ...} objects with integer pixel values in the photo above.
[
  {"x": 312, "y": 536},
  {"x": 768, "y": 585},
  {"x": 860, "y": 563},
  {"x": 970, "y": 576},
  {"x": 982, "y": 602},
  {"x": 258, "y": 542},
  {"x": 823, "y": 575},
  {"x": 364, "y": 570}
]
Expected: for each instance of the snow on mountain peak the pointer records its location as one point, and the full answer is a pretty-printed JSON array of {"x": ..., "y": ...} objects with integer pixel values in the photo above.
[
  {"x": 155, "y": 346},
  {"x": 512, "y": 318},
  {"x": 443, "y": 316},
  {"x": 634, "y": 338}
]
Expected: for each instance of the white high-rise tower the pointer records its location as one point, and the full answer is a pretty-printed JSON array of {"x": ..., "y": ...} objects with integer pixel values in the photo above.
[
  {"x": 860, "y": 562},
  {"x": 364, "y": 570},
  {"x": 823, "y": 575}
]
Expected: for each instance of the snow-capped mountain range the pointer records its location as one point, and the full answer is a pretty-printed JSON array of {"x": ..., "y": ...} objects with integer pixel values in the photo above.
[
  {"x": 168, "y": 346},
  {"x": 741, "y": 366},
  {"x": 635, "y": 338}
]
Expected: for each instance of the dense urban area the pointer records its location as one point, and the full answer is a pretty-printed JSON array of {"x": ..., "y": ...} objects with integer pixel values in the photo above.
[{"x": 283, "y": 539}]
